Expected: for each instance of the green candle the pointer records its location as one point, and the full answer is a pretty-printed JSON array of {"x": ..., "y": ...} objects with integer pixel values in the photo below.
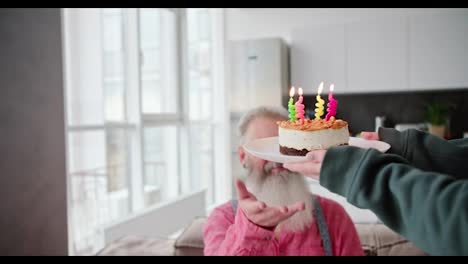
[{"x": 291, "y": 106}]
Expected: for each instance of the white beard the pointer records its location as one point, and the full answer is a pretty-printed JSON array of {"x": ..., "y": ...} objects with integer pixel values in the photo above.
[{"x": 283, "y": 188}]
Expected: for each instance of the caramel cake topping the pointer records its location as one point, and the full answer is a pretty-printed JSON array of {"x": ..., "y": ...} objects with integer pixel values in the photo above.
[{"x": 314, "y": 124}]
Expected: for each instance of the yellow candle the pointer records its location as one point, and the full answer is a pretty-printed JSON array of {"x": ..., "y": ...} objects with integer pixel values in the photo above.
[{"x": 320, "y": 103}]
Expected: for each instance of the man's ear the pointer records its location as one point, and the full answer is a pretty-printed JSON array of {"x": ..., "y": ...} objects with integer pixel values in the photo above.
[{"x": 241, "y": 152}]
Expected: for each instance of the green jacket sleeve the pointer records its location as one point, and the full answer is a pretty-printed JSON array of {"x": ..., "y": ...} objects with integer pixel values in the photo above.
[
  {"x": 460, "y": 142},
  {"x": 427, "y": 208},
  {"x": 428, "y": 152}
]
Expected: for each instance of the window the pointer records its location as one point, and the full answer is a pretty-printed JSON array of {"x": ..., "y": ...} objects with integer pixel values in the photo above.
[
  {"x": 143, "y": 93},
  {"x": 200, "y": 98},
  {"x": 158, "y": 60}
]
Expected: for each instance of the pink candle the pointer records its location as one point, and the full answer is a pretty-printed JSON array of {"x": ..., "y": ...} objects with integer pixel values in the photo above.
[
  {"x": 332, "y": 104},
  {"x": 300, "y": 107}
]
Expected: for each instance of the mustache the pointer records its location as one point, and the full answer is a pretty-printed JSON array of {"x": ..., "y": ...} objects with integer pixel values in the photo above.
[{"x": 269, "y": 166}]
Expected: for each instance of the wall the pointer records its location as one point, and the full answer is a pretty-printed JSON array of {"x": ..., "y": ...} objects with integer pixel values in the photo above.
[
  {"x": 33, "y": 197},
  {"x": 246, "y": 23}
]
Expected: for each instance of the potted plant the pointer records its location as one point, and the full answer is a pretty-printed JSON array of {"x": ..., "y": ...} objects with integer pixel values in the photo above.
[{"x": 436, "y": 117}]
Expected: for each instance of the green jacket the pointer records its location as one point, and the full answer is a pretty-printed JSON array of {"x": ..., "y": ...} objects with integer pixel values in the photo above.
[{"x": 419, "y": 188}]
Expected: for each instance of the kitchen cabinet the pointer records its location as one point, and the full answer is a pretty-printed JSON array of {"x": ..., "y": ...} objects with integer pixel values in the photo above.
[
  {"x": 438, "y": 51},
  {"x": 318, "y": 54},
  {"x": 425, "y": 51},
  {"x": 376, "y": 55}
]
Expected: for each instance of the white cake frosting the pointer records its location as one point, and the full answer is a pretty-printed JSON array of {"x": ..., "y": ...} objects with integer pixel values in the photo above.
[{"x": 310, "y": 140}]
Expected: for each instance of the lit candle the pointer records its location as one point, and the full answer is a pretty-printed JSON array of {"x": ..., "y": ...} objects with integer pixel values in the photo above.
[
  {"x": 332, "y": 103},
  {"x": 291, "y": 106},
  {"x": 300, "y": 107},
  {"x": 320, "y": 103}
]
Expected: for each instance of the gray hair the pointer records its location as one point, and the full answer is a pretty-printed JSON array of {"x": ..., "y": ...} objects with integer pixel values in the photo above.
[{"x": 261, "y": 111}]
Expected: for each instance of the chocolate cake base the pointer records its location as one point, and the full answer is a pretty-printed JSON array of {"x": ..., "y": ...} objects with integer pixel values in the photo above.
[
  {"x": 293, "y": 152},
  {"x": 296, "y": 152}
]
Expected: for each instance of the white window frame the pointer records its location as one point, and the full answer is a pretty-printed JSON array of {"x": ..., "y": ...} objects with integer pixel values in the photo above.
[
  {"x": 135, "y": 123},
  {"x": 143, "y": 120}
]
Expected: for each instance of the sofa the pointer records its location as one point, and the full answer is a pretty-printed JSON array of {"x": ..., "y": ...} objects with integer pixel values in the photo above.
[{"x": 376, "y": 240}]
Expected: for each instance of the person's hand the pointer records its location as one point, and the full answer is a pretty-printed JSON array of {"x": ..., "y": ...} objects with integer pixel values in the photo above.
[
  {"x": 261, "y": 214},
  {"x": 311, "y": 167},
  {"x": 370, "y": 135}
]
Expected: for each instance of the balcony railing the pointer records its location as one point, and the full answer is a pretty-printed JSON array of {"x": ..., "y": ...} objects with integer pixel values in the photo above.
[{"x": 94, "y": 204}]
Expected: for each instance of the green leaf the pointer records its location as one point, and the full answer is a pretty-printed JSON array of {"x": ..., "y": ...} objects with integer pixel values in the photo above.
[{"x": 437, "y": 112}]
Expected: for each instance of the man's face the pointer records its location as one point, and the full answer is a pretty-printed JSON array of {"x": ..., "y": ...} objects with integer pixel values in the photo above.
[
  {"x": 270, "y": 182},
  {"x": 261, "y": 128}
]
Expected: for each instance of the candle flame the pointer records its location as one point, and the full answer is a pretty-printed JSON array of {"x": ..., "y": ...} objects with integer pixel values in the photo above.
[
  {"x": 332, "y": 87},
  {"x": 320, "y": 88},
  {"x": 300, "y": 91},
  {"x": 291, "y": 92}
]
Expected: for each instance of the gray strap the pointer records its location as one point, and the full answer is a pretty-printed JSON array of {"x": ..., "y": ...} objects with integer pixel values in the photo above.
[
  {"x": 234, "y": 205},
  {"x": 322, "y": 226}
]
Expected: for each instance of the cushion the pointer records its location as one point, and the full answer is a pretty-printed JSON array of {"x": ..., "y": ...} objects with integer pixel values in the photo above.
[
  {"x": 139, "y": 246},
  {"x": 379, "y": 240},
  {"x": 190, "y": 242}
]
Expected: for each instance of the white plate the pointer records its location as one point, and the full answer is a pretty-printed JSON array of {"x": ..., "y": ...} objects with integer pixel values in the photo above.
[{"x": 268, "y": 148}]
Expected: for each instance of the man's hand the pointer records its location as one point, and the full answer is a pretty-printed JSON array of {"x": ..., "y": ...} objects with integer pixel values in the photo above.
[
  {"x": 261, "y": 214},
  {"x": 311, "y": 167}
]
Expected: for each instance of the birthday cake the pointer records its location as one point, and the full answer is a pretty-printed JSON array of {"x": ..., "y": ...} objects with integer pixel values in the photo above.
[
  {"x": 297, "y": 139},
  {"x": 299, "y": 135}
]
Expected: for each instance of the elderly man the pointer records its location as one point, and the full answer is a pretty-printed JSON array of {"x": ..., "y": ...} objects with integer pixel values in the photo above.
[{"x": 275, "y": 213}]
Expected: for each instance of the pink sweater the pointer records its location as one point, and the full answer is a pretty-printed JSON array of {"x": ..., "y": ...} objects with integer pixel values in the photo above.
[{"x": 229, "y": 234}]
